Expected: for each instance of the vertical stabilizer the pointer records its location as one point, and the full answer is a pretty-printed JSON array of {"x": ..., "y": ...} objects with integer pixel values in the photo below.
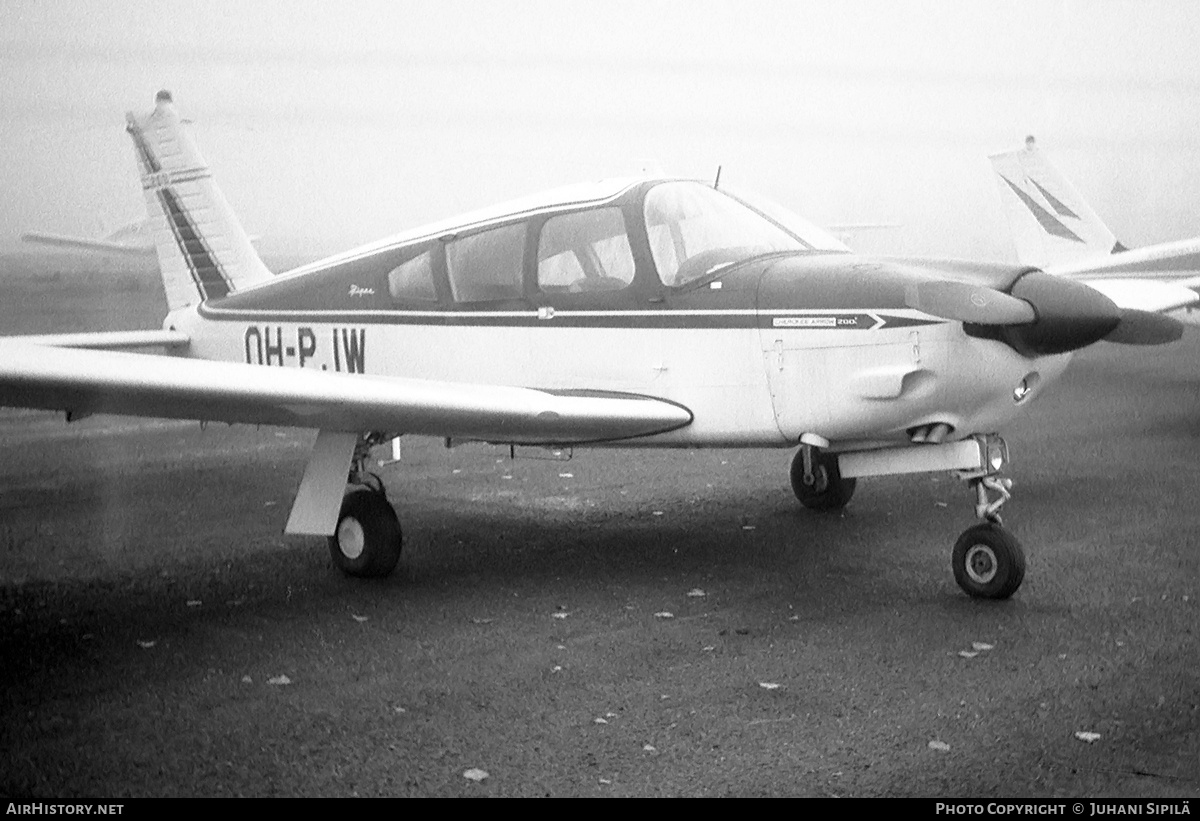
[
  {"x": 1050, "y": 223},
  {"x": 202, "y": 250}
]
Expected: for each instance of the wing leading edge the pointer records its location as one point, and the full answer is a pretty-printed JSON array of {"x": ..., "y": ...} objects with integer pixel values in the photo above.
[
  {"x": 83, "y": 382},
  {"x": 102, "y": 340}
]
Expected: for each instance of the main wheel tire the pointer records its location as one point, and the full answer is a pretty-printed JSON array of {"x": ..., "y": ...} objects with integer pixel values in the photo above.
[
  {"x": 367, "y": 541},
  {"x": 830, "y": 491},
  {"x": 988, "y": 562}
]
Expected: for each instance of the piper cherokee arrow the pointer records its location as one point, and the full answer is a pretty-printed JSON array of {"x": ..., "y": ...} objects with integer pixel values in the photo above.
[{"x": 635, "y": 313}]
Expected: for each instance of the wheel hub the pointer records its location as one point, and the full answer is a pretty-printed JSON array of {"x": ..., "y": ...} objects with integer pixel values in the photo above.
[
  {"x": 351, "y": 538},
  {"x": 981, "y": 564}
]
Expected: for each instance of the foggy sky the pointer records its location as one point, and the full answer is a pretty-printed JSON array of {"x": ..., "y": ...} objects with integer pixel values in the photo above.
[{"x": 329, "y": 126}]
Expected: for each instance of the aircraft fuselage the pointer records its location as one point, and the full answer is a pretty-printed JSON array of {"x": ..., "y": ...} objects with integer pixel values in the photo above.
[{"x": 761, "y": 350}]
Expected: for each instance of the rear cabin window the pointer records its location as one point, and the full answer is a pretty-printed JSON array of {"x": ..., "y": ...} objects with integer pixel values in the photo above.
[
  {"x": 486, "y": 267},
  {"x": 413, "y": 280},
  {"x": 585, "y": 251}
]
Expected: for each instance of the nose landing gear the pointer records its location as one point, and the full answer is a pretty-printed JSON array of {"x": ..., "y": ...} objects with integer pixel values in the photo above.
[{"x": 987, "y": 560}]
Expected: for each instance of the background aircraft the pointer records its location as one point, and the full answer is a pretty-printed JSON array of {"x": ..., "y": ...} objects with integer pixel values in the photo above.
[
  {"x": 1054, "y": 228},
  {"x": 134, "y": 239},
  {"x": 643, "y": 312}
]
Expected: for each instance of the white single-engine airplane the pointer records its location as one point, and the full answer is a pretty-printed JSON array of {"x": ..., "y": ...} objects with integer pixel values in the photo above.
[{"x": 645, "y": 312}]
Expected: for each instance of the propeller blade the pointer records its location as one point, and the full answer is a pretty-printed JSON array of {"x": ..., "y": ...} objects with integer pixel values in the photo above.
[
  {"x": 1145, "y": 328},
  {"x": 962, "y": 301}
]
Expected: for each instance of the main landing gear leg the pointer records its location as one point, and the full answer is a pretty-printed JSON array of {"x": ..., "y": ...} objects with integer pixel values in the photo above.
[
  {"x": 817, "y": 481},
  {"x": 988, "y": 560},
  {"x": 367, "y": 541}
]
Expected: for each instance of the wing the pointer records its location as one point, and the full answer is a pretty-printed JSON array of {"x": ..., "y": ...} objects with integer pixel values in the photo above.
[
  {"x": 1153, "y": 295},
  {"x": 83, "y": 382},
  {"x": 1177, "y": 261},
  {"x": 1156, "y": 279}
]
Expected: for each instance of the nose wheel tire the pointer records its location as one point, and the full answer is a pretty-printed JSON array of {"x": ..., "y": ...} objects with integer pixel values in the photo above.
[
  {"x": 988, "y": 562},
  {"x": 367, "y": 541},
  {"x": 825, "y": 489}
]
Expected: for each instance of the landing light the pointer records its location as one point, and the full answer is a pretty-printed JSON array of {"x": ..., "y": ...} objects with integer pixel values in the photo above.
[
  {"x": 997, "y": 453},
  {"x": 1025, "y": 387}
]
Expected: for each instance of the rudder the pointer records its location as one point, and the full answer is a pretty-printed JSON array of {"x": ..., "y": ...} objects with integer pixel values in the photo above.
[{"x": 203, "y": 252}]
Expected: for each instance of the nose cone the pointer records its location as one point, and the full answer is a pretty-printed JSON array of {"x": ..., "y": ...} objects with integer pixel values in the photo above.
[{"x": 1070, "y": 315}]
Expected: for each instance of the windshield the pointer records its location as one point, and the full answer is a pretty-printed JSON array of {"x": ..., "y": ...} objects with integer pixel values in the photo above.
[
  {"x": 818, "y": 238},
  {"x": 695, "y": 231}
]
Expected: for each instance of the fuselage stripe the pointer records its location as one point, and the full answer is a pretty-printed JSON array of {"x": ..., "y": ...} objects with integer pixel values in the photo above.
[{"x": 783, "y": 319}]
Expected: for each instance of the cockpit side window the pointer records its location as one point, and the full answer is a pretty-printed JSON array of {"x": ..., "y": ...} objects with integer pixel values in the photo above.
[
  {"x": 585, "y": 251},
  {"x": 413, "y": 280},
  {"x": 486, "y": 267},
  {"x": 695, "y": 230}
]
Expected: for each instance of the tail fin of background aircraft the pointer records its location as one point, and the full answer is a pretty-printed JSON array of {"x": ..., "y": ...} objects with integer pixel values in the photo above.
[
  {"x": 1050, "y": 223},
  {"x": 203, "y": 251}
]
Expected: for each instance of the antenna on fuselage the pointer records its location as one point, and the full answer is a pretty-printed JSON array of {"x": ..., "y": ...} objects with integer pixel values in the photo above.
[{"x": 717, "y": 181}]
